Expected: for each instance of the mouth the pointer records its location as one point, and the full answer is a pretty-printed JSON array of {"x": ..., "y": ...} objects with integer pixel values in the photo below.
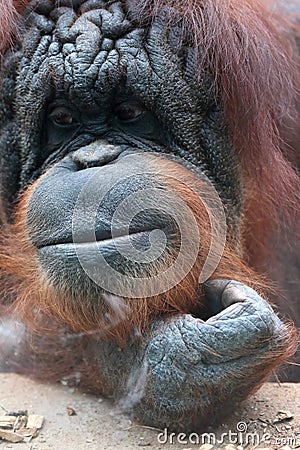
[
  {"x": 138, "y": 255},
  {"x": 99, "y": 243},
  {"x": 105, "y": 231},
  {"x": 138, "y": 247},
  {"x": 107, "y": 255},
  {"x": 102, "y": 235}
]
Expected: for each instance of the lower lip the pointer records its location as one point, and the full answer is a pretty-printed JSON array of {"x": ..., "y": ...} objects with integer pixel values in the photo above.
[{"x": 107, "y": 247}]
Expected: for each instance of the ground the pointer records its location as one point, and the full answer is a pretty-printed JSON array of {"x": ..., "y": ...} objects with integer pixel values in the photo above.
[{"x": 75, "y": 421}]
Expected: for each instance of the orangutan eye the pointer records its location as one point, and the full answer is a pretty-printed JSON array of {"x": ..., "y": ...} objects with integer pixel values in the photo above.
[
  {"x": 62, "y": 117},
  {"x": 129, "y": 112}
]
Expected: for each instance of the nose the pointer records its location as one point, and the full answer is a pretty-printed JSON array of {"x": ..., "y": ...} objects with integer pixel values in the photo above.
[{"x": 96, "y": 154}]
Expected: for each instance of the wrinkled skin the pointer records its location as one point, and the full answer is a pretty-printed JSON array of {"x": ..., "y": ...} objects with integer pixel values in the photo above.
[
  {"x": 189, "y": 372},
  {"x": 97, "y": 80}
]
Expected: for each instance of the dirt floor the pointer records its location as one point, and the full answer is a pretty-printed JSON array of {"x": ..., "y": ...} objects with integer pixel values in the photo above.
[{"x": 74, "y": 421}]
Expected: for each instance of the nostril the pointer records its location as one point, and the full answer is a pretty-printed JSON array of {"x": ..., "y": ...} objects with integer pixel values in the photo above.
[{"x": 96, "y": 154}]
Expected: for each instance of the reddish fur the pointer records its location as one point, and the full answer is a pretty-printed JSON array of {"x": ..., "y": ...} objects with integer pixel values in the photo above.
[
  {"x": 258, "y": 91},
  {"x": 9, "y": 21}
]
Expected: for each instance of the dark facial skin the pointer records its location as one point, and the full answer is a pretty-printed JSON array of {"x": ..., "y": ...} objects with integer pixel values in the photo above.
[{"x": 87, "y": 89}]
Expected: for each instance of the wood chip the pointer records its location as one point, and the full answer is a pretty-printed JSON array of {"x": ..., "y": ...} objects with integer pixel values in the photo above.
[
  {"x": 27, "y": 432},
  {"x": 283, "y": 416},
  {"x": 20, "y": 422},
  {"x": 7, "y": 421},
  {"x": 35, "y": 421},
  {"x": 20, "y": 428},
  {"x": 71, "y": 411},
  {"x": 11, "y": 436}
]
